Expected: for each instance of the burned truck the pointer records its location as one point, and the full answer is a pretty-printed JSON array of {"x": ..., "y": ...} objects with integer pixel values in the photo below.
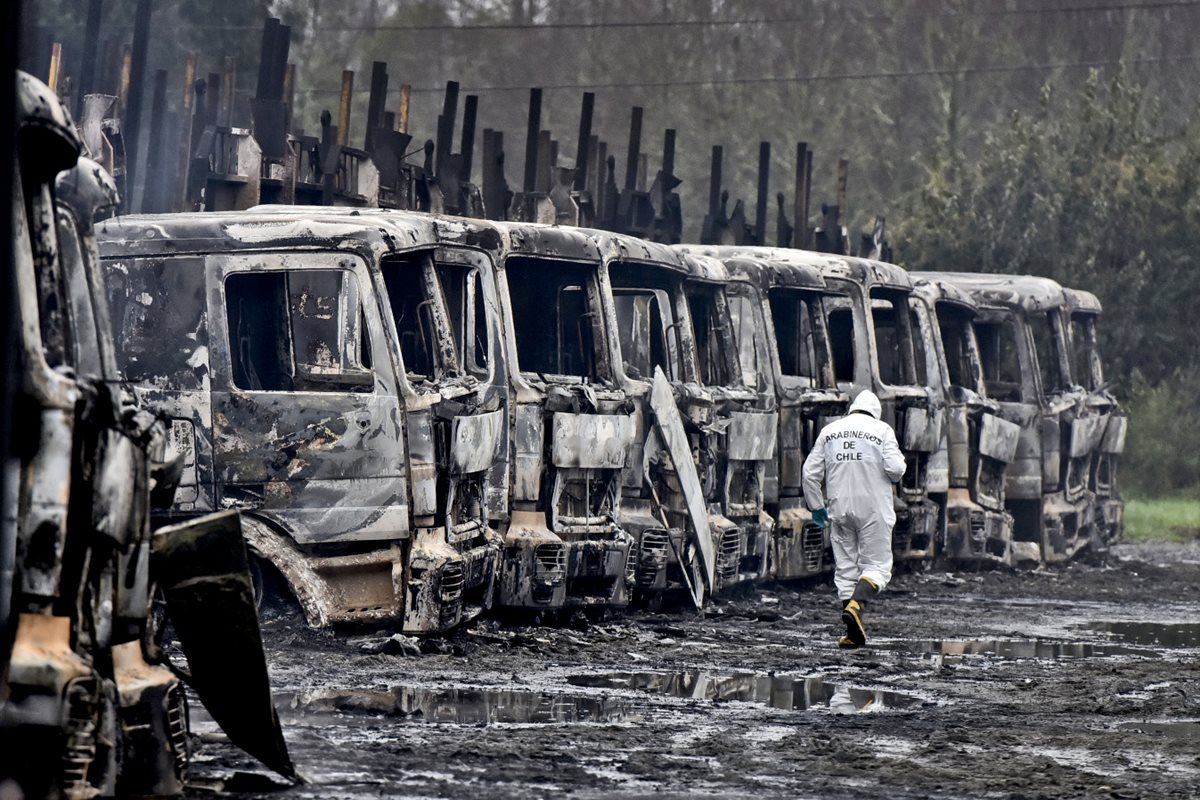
[
  {"x": 1087, "y": 367},
  {"x": 337, "y": 378},
  {"x": 571, "y": 422},
  {"x": 88, "y": 705},
  {"x": 706, "y": 425},
  {"x": 875, "y": 346},
  {"x": 1025, "y": 352},
  {"x": 979, "y": 444},
  {"x": 785, "y": 303}
]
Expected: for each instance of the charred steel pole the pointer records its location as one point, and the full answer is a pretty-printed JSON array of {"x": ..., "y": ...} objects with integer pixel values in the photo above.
[
  {"x": 803, "y": 167},
  {"x": 137, "y": 77},
  {"x": 152, "y": 193},
  {"x": 714, "y": 181},
  {"x": 343, "y": 126},
  {"x": 445, "y": 130},
  {"x": 635, "y": 145},
  {"x": 375, "y": 105},
  {"x": 402, "y": 115},
  {"x": 87, "y": 66},
  {"x": 467, "y": 146},
  {"x": 183, "y": 151},
  {"x": 585, "y": 141},
  {"x": 532, "y": 131},
  {"x": 668, "y": 158},
  {"x": 760, "y": 210}
]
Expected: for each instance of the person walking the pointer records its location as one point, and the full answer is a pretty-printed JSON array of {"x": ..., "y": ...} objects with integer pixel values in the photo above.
[{"x": 848, "y": 479}]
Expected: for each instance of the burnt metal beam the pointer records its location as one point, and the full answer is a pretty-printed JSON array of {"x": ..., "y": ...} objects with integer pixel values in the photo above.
[
  {"x": 803, "y": 195},
  {"x": 152, "y": 192},
  {"x": 584, "y": 144},
  {"x": 131, "y": 130},
  {"x": 187, "y": 118},
  {"x": 343, "y": 125},
  {"x": 445, "y": 129},
  {"x": 714, "y": 180},
  {"x": 467, "y": 146},
  {"x": 532, "y": 131},
  {"x": 760, "y": 210},
  {"x": 376, "y": 103},
  {"x": 402, "y": 114},
  {"x": 635, "y": 145},
  {"x": 87, "y": 64}
]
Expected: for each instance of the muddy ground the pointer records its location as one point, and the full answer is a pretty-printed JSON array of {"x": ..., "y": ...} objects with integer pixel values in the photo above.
[{"x": 754, "y": 697}]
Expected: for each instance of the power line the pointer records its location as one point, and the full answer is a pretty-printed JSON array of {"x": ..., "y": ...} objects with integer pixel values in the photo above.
[
  {"x": 842, "y": 76},
  {"x": 703, "y": 23}
]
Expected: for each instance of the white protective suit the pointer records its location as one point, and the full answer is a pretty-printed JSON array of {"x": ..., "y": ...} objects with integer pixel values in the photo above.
[{"x": 857, "y": 458}]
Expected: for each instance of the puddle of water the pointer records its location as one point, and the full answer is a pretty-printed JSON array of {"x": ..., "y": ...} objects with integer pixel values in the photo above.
[
  {"x": 1028, "y": 648},
  {"x": 789, "y": 694},
  {"x": 1163, "y": 634},
  {"x": 463, "y": 705},
  {"x": 1173, "y": 729}
]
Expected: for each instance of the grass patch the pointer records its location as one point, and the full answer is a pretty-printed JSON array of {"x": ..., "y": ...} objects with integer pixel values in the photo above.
[{"x": 1162, "y": 519}]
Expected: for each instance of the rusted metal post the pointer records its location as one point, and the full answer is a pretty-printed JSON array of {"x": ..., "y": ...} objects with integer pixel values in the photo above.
[
  {"x": 91, "y": 41},
  {"x": 467, "y": 146},
  {"x": 532, "y": 131},
  {"x": 760, "y": 210},
  {"x": 123, "y": 79},
  {"x": 376, "y": 103},
  {"x": 183, "y": 155},
  {"x": 635, "y": 144},
  {"x": 131, "y": 129},
  {"x": 402, "y": 115},
  {"x": 445, "y": 129},
  {"x": 585, "y": 141},
  {"x": 228, "y": 81},
  {"x": 343, "y": 128},
  {"x": 803, "y": 190},
  {"x": 55, "y": 66}
]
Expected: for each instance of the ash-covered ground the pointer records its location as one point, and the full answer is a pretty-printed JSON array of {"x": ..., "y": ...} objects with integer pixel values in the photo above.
[{"x": 1079, "y": 681}]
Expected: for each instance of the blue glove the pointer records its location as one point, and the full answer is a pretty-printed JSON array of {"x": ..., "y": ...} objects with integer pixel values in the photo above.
[{"x": 821, "y": 518}]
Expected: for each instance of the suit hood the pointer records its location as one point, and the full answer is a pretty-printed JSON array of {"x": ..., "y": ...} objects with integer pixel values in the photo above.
[{"x": 868, "y": 402}]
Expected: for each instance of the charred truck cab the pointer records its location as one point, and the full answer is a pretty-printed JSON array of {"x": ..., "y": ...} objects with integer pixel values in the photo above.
[
  {"x": 88, "y": 705},
  {"x": 788, "y": 312},
  {"x": 571, "y": 425},
  {"x": 336, "y": 378},
  {"x": 1025, "y": 352},
  {"x": 1087, "y": 367},
  {"x": 979, "y": 443},
  {"x": 704, "y": 439}
]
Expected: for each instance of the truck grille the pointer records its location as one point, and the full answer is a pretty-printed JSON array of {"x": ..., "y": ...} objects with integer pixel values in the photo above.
[
  {"x": 812, "y": 544},
  {"x": 1078, "y": 475},
  {"x": 452, "y": 582},
  {"x": 79, "y": 742},
  {"x": 550, "y": 563},
  {"x": 902, "y": 534},
  {"x": 730, "y": 553},
  {"x": 653, "y": 553},
  {"x": 177, "y": 728}
]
